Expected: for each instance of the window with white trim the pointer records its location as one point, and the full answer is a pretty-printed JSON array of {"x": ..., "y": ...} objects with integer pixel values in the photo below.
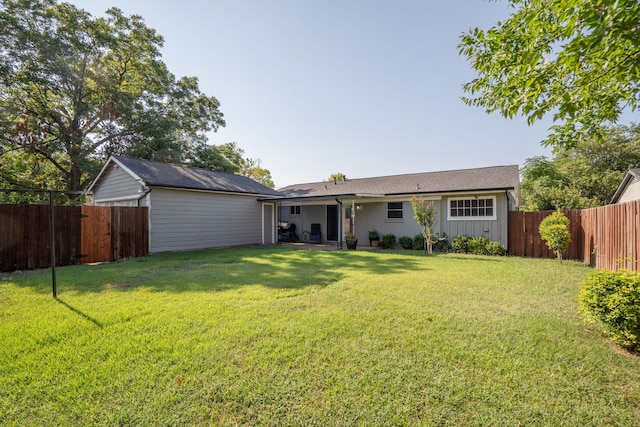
[
  {"x": 472, "y": 208},
  {"x": 394, "y": 210},
  {"x": 294, "y": 210}
]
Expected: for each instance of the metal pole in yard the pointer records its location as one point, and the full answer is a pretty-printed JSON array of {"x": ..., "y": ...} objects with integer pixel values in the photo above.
[{"x": 53, "y": 245}]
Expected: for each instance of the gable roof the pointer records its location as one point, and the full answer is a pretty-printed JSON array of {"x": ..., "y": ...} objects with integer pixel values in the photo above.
[
  {"x": 158, "y": 174},
  {"x": 632, "y": 174},
  {"x": 480, "y": 179}
]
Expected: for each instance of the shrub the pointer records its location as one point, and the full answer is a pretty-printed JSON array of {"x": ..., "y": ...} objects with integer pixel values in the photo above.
[
  {"x": 460, "y": 243},
  {"x": 406, "y": 242},
  {"x": 418, "y": 242},
  {"x": 388, "y": 240},
  {"x": 478, "y": 245},
  {"x": 554, "y": 230},
  {"x": 441, "y": 244},
  {"x": 613, "y": 298},
  {"x": 495, "y": 249}
]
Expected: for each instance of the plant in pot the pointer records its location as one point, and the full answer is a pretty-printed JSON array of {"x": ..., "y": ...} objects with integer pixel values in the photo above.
[
  {"x": 374, "y": 238},
  {"x": 352, "y": 240}
]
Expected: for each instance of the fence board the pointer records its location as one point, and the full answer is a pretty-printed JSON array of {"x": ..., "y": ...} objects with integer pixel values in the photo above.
[
  {"x": 82, "y": 234},
  {"x": 606, "y": 237},
  {"x": 525, "y": 240}
]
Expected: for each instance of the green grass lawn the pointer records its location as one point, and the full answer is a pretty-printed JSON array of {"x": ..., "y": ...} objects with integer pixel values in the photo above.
[{"x": 292, "y": 337}]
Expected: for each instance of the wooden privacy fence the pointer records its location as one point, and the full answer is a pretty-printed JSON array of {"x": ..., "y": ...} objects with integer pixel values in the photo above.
[
  {"x": 83, "y": 234},
  {"x": 607, "y": 237}
]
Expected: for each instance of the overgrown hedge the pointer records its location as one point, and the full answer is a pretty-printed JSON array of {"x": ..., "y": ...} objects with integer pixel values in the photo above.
[{"x": 612, "y": 298}]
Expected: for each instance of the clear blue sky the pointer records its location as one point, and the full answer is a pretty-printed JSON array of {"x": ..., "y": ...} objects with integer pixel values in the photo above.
[{"x": 362, "y": 87}]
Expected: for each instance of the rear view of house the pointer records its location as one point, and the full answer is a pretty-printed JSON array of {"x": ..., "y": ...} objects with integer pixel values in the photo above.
[
  {"x": 472, "y": 202},
  {"x": 189, "y": 208}
]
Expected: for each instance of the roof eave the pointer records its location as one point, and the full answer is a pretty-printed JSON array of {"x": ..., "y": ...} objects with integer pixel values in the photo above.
[
  {"x": 371, "y": 195},
  {"x": 205, "y": 190},
  {"x": 623, "y": 185}
]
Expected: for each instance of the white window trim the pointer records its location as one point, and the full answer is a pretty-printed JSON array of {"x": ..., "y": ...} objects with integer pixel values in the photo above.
[{"x": 494, "y": 217}]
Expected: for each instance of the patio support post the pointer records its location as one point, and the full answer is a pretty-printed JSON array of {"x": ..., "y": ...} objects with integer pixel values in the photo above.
[
  {"x": 339, "y": 243},
  {"x": 353, "y": 217},
  {"x": 52, "y": 244}
]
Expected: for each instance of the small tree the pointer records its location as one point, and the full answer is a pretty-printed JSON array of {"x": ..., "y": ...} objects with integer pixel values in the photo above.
[
  {"x": 337, "y": 177},
  {"x": 554, "y": 230},
  {"x": 425, "y": 214}
]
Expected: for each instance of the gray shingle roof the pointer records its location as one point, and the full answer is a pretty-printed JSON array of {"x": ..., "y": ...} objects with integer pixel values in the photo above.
[
  {"x": 174, "y": 176},
  {"x": 489, "y": 178}
]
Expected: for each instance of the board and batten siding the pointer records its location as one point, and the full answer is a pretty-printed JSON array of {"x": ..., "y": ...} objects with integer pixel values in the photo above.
[
  {"x": 494, "y": 230},
  {"x": 117, "y": 188},
  {"x": 187, "y": 220}
]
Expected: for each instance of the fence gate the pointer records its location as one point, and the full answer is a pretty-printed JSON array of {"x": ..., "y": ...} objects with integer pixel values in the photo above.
[
  {"x": 96, "y": 234},
  {"x": 83, "y": 234}
]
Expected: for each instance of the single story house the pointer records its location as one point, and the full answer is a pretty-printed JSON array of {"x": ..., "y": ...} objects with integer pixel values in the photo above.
[
  {"x": 192, "y": 208},
  {"x": 473, "y": 202},
  {"x": 629, "y": 188},
  {"x": 189, "y": 208}
]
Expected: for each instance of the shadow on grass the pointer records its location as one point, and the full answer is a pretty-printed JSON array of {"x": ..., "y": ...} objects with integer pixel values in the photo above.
[
  {"x": 223, "y": 269},
  {"x": 83, "y": 315}
]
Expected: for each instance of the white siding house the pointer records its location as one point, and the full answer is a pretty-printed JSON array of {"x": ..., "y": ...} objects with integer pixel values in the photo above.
[
  {"x": 472, "y": 202},
  {"x": 193, "y": 208},
  {"x": 189, "y": 208}
]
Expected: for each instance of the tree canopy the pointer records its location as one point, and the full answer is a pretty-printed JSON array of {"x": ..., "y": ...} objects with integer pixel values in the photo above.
[
  {"x": 586, "y": 175},
  {"x": 337, "y": 176},
  {"x": 76, "y": 88},
  {"x": 245, "y": 166},
  {"x": 578, "y": 60}
]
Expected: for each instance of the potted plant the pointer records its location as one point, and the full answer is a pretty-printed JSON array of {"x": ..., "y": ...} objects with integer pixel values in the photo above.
[
  {"x": 374, "y": 238},
  {"x": 352, "y": 240}
]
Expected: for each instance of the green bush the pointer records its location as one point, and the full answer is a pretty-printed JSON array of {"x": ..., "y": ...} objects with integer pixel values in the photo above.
[
  {"x": 495, "y": 249},
  {"x": 418, "y": 242},
  {"x": 460, "y": 243},
  {"x": 406, "y": 242},
  {"x": 613, "y": 298},
  {"x": 478, "y": 245},
  {"x": 554, "y": 230},
  {"x": 441, "y": 244},
  {"x": 388, "y": 240}
]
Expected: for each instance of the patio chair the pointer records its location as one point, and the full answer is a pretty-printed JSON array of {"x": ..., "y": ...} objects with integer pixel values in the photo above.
[{"x": 315, "y": 236}]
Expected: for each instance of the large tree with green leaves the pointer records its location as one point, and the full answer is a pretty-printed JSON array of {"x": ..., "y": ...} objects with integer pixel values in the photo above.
[
  {"x": 245, "y": 166},
  {"x": 596, "y": 166},
  {"x": 578, "y": 60},
  {"x": 544, "y": 186},
  {"x": 586, "y": 175},
  {"x": 75, "y": 88}
]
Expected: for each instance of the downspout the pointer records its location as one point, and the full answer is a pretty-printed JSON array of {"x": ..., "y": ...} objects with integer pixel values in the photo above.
[
  {"x": 339, "y": 243},
  {"x": 144, "y": 194}
]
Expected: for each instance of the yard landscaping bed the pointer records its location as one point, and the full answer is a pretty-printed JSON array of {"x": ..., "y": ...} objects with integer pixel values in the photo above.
[{"x": 282, "y": 336}]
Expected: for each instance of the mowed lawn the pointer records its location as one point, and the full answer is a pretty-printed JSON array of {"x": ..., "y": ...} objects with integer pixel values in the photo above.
[{"x": 292, "y": 337}]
